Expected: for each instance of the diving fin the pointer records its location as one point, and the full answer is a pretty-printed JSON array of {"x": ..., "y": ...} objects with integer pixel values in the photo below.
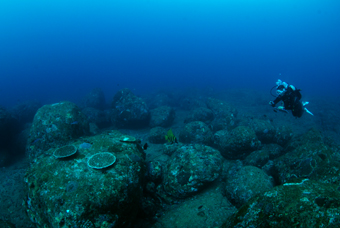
[
  {"x": 308, "y": 111},
  {"x": 304, "y": 103}
]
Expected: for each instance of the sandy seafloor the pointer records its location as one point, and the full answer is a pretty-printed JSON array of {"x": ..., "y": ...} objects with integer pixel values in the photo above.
[{"x": 249, "y": 104}]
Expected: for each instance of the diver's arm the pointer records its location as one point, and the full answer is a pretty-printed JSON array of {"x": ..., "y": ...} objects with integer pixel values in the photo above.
[{"x": 277, "y": 100}]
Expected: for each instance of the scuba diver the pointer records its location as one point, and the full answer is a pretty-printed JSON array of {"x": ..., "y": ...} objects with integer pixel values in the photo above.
[{"x": 290, "y": 96}]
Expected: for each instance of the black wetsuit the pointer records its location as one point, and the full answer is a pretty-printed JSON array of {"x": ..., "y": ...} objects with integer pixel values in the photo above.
[{"x": 291, "y": 99}]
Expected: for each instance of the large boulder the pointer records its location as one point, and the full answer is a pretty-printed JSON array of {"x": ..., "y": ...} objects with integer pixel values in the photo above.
[
  {"x": 158, "y": 100},
  {"x": 55, "y": 125},
  {"x": 313, "y": 160},
  {"x": 95, "y": 99},
  {"x": 225, "y": 114},
  {"x": 196, "y": 132},
  {"x": 200, "y": 114},
  {"x": 238, "y": 143},
  {"x": 162, "y": 116},
  {"x": 68, "y": 192},
  {"x": 264, "y": 130},
  {"x": 190, "y": 169},
  {"x": 129, "y": 111},
  {"x": 242, "y": 184},
  {"x": 283, "y": 135},
  {"x": 260, "y": 157},
  {"x": 157, "y": 135},
  {"x": 300, "y": 203}
]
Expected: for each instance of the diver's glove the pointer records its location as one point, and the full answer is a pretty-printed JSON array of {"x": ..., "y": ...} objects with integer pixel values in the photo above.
[{"x": 271, "y": 103}]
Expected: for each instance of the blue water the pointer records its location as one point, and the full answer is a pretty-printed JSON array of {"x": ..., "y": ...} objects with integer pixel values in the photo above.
[{"x": 61, "y": 50}]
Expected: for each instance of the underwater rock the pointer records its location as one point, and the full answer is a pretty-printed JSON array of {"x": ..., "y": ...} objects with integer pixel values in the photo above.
[
  {"x": 223, "y": 121},
  {"x": 219, "y": 137},
  {"x": 190, "y": 169},
  {"x": 170, "y": 148},
  {"x": 225, "y": 114},
  {"x": 208, "y": 209},
  {"x": 246, "y": 182},
  {"x": 283, "y": 135},
  {"x": 55, "y": 125},
  {"x": 190, "y": 103},
  {"x": 311, "y": 136},
  {"x": 68, "y": 193},
  {"x": 99, "y": 117},
  {"x": 239, "y": 143},
  {"x": 129, "y": 110},
  {"x": 157, "y": 135},
  {"x": 149, "y": 207},
  {"x": 24, "y": 112},
  {"x": 6, "y": 224},
  {"x": 200, "y": 114},
  {"x": 154, "y": 171},
  {"x": 300, "y": 203},
  {"x": 313, "y": 160},
  {"x": 162, "y": 116},
  {"x": 196, "y": 132},
  {"x": 95, "y": 99},
  {"x": 260, "y": 157},
  {"x": 264, "y": 130},
  {"x": 158, "y": 100}
]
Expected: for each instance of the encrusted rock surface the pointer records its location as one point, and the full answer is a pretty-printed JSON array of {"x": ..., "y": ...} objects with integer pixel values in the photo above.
[
  {"x": 191, "y": 168},
  {"x": 311, "y": 158},
  {"x": 55, "y": 125},
  {"x": 68, "y": 193},
  {"x": 157, "y": 135},
  {"x": 162, "y": 116},
  {"x": 244, "y": 183},
  {"x": 264, "y": 130},
  {"x": 196, "y": 132},
  {"x": 129, "y": 111},
  {"x": 200, "y": 114},
  {"x": 300, "y": 203},
  {"x": 238, "y": 143}
]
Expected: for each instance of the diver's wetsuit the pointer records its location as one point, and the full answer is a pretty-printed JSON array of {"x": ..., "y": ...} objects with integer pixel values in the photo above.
[{"x": 291, "y": 99}]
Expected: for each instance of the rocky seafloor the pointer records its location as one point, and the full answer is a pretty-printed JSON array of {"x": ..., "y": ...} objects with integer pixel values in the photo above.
[{"x": 235, "y": 162}]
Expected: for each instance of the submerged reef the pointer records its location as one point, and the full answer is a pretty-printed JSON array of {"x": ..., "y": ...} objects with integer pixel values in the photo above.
[
  {"x": 301, "y": 203},
  {"x": 221, "y": 164}
]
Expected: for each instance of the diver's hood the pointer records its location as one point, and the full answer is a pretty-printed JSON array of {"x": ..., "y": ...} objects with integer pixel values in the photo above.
[
  {"x": 281, "y": 87},
  {"x": 280, "y": 83}
]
